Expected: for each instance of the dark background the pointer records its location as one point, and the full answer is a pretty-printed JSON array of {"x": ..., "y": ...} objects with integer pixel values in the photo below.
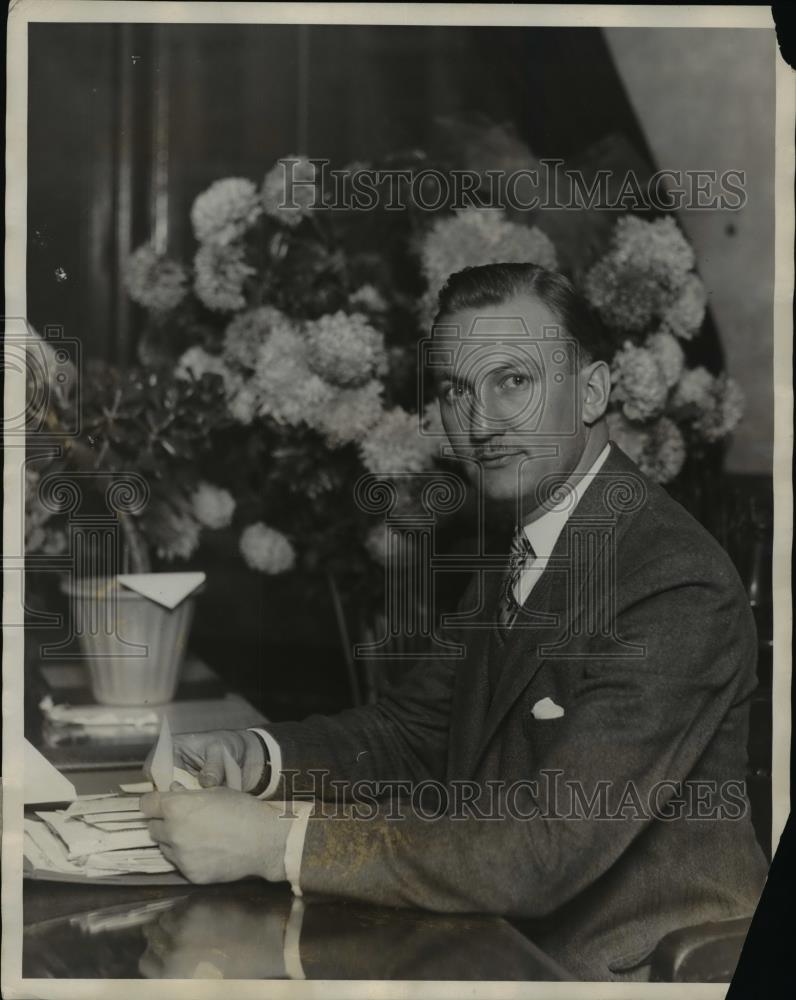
[{"x": 141, "y": 118}]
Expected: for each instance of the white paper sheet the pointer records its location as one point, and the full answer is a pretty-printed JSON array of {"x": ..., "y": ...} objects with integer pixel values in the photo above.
[
  {"x": 162, "y": 766},
  {"x": 83, "y": 841},
  {"x": 167, "y": 589},
  {"x": 106, "y": 834},
  {"x": 134, "y": 816},
  {"x": 104, "y": 804},
  {"x": 42, "y": 782}
]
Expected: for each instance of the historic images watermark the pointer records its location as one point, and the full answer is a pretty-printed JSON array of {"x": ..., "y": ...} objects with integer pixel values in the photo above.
[
  {"x": 314, "y": 184},
  {"x": 551, "y": 796}
]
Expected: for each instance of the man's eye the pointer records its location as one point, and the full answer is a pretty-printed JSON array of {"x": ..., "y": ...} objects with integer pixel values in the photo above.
[
  {"x": 453, "y": 393},
  {"x": 515, "y": 381}
]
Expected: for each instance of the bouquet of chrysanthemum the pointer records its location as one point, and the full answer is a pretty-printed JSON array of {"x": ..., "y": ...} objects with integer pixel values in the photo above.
[
  {"x": 647, "y": 293},
  {"x": 300, "y": 322}
]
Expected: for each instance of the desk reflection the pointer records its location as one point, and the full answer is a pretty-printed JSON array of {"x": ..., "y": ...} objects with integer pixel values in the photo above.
[{"x": 245, "y": 931}]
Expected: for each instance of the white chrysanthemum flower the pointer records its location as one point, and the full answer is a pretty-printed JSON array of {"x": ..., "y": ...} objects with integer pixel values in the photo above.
[
  {"x": 266, "y": 549},
  {"x": 717, "y": 416},
  {"x": 695, "y": 389},
  {"x": 36, "y": 514},
  {"x": 155, "y": 281},
  {"x": 288, "y": 390},
  {"x": 658, "y": 449},
  {"x": 684, "y": 317},
  {"x": 54, "y": 543},
  {"x": 243, "y": 400},
  {"x": 657, "y": 246},
  {"x": 476, "y": 236},
  {"x": 368, "y": 297},
  {"x": 225, "y": 211},
  {"x": 664, "y": 455},
  {"x": 350, "y": 414},
  {"x": 396, "y": 445},
  {"x": 248, "y": 331},
  {"x": 213, "y": 506},
  {"x": 638, "y": 381},
  {"x": 670, "y": 355},
  {"x": 345, "y": 349},
  {"x": 630, "y": 438},
  {"x": 173, "y": 533},
  {"x": 196, "y": 362},
  {"x": 383, "y": 544},
  {"x": 730, "y": 407},
  {"x": 376, "y": 543},
  {"x": 642, "y": 273},
  {"x": 220, "y": 272},
  {"x": 289, "y": 189}
]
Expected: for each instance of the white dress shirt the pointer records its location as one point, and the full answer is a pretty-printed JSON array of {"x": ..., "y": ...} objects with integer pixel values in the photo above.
[{"x": 543, "y": 534}]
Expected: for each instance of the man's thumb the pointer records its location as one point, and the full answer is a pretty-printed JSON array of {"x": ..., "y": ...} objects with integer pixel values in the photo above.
[{"x": 212, "y": 772}]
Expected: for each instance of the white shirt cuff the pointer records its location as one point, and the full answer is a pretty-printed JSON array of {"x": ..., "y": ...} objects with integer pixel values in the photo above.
[
  {"x": 294, "y": 845},
  {"x": 275, "y": 755},
  {"x": 291, "y": 951}
]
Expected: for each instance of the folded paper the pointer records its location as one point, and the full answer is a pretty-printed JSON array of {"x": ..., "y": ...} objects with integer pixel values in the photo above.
[
  {"x": 83, "y": 840},
  {"x": 43, "y": 782},
  {"x": 166, "y": 589},
  {"x": 162, "y": 765}
]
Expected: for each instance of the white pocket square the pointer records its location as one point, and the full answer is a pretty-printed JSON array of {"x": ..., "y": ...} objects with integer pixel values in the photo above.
[{"x": 547, "y": 709}]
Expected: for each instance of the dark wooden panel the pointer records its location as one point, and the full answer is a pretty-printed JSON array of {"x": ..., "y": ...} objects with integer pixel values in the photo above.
[
  {"x": 233, "y": 109},
  {"x": 70, "y": 178}
]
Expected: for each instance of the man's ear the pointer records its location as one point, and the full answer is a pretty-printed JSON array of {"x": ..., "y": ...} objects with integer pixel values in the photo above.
[{"x": 595, "y": 382}]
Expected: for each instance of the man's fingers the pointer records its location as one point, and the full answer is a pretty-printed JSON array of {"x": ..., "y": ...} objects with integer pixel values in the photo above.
[
  {"x": 212, "y": 772},
  {"x": 151, "y": 805},
  {"x": 157, "y": 831},
  {"x": 189, "y": 751}
]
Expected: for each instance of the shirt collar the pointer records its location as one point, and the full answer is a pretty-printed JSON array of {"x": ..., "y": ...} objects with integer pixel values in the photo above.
[{"x": 544, "y": 531}]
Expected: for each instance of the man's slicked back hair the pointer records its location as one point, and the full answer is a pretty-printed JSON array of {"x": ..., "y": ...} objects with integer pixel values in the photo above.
[{"x": 493, "y": 284}]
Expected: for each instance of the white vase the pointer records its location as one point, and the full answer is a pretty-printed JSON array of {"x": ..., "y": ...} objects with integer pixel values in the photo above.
[{"x": 134, "y": 647}]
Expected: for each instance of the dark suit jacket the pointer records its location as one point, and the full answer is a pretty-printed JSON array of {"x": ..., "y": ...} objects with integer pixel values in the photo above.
[{"x": 639, "y": 629}]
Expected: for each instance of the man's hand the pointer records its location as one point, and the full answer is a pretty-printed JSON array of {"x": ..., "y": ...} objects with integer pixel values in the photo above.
[
  {"x": 219, "y": 835},
  {"x": 202, "y": 754}
]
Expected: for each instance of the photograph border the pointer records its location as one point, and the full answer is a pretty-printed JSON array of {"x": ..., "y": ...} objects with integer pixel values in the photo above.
[{"x": 24, "y": 12}]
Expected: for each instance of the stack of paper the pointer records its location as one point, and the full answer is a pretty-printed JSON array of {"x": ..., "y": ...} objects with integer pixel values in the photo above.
[
  {"x": 99, "y": 835},
  {"x": 95, "y": 836},
  {"x": 99, "y": 716}
]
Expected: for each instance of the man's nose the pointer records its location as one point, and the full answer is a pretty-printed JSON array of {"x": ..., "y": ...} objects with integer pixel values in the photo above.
[{"x": 483, "y": 423}]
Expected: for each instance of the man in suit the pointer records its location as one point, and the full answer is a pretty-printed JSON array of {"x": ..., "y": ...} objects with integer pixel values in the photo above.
[{"x": 586, "y": 757}]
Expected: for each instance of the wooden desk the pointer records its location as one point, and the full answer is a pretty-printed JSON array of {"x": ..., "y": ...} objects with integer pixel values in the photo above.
[{"x": 237, "y": 932}]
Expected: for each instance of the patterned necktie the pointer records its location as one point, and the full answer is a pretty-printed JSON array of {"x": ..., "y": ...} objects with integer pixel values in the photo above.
[{"x": 521, "y": 551}]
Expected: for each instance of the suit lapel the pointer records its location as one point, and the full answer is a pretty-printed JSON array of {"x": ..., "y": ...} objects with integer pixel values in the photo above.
[
  {"x": 555, "y": 600},
  {"x": 471, "y": 692},
  {"x": 521, "y": 649}
]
